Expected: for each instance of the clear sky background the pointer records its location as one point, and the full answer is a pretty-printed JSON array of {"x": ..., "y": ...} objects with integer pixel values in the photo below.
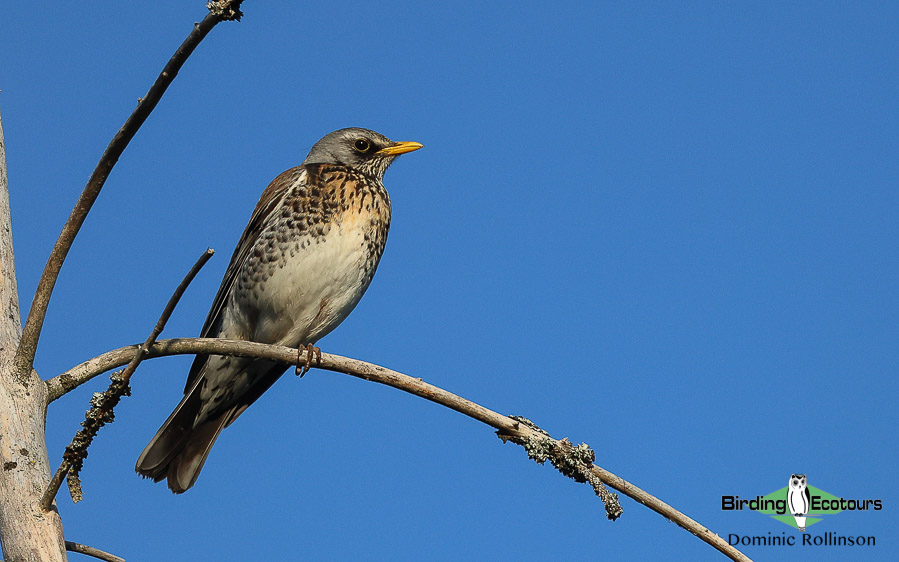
[{"x": 667, "y": 231}]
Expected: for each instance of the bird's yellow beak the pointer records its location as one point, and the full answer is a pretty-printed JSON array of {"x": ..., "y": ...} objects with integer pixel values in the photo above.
[{"x": 400, "y": 148}]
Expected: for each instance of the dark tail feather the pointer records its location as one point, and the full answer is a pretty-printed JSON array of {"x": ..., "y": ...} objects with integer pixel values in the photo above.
[
  {"x": 186, "y": 465},
  {"x": 178, "y": 450}
]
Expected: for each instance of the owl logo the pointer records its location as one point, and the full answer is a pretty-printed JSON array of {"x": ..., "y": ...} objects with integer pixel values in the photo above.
[{"x": 799, "y": 499}]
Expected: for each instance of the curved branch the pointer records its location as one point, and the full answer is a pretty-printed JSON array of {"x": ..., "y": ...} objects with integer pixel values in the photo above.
[
  {"x": 218, "y": 11},
  {"x": 517, "y": 430},
  {"x": 91, "y": 551}
]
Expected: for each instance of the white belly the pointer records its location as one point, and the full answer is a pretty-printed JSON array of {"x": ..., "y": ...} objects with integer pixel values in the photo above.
[
  {"x": 798, "y": 503},
  {"x": 308, "y": 293}
]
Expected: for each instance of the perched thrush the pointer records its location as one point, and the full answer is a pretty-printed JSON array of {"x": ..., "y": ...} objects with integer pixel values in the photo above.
[{"x": 303, "y": 262}]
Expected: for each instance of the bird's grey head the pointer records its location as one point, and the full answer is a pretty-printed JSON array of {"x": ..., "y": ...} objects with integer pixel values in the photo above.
[{"x": 361, "y": 149}]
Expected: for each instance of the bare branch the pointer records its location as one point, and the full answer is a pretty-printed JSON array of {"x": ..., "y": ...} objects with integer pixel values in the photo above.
[
  {"x": 510, "y": 428},
  {"x": 219, "y": 11},
  {"x": 173, "y": 302},
  {"x": 91, "y": 551},
  {"x": 103, "y": 404}
]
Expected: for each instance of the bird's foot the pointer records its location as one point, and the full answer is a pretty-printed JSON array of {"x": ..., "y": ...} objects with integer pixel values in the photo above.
[{"x": 311, "y": 351}]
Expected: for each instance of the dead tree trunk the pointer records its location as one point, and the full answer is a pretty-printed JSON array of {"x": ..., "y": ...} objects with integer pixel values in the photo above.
[{"x": 29, "y": 533}]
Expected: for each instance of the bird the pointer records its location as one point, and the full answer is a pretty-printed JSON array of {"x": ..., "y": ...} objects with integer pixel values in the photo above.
[
  {"x": 303, "y": 262},
  {"x": 799, "y": 499}
]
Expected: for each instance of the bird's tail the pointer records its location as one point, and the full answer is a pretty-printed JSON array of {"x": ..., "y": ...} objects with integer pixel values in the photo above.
[{"x": 178, "y": 450}]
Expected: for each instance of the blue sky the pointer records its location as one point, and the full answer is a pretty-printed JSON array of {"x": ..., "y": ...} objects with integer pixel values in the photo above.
[{"x": 669, "y": 231}]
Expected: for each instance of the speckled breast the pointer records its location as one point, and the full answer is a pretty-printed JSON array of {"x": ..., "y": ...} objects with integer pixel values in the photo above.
[{"x": 315, "y": 256}]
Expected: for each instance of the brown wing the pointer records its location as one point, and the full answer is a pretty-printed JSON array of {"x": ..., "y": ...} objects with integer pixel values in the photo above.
[{"x": 268, "y": 202}]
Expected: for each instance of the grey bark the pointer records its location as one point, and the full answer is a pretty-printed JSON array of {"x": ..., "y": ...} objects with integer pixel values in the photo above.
[{"x": 27, "y": 533}]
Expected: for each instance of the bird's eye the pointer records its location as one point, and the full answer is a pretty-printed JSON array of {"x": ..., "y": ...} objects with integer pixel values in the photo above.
[{"x": 361, "y": 145}]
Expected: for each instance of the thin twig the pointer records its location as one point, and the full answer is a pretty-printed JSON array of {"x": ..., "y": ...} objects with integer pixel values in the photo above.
[
  {"x": 103, "y": 404},
  {"x": 91, "y": 551},
  {"x": 507, "y": 426},
  {"x": 170, "y": 308},
  {"x": 24, "y": 360}
]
